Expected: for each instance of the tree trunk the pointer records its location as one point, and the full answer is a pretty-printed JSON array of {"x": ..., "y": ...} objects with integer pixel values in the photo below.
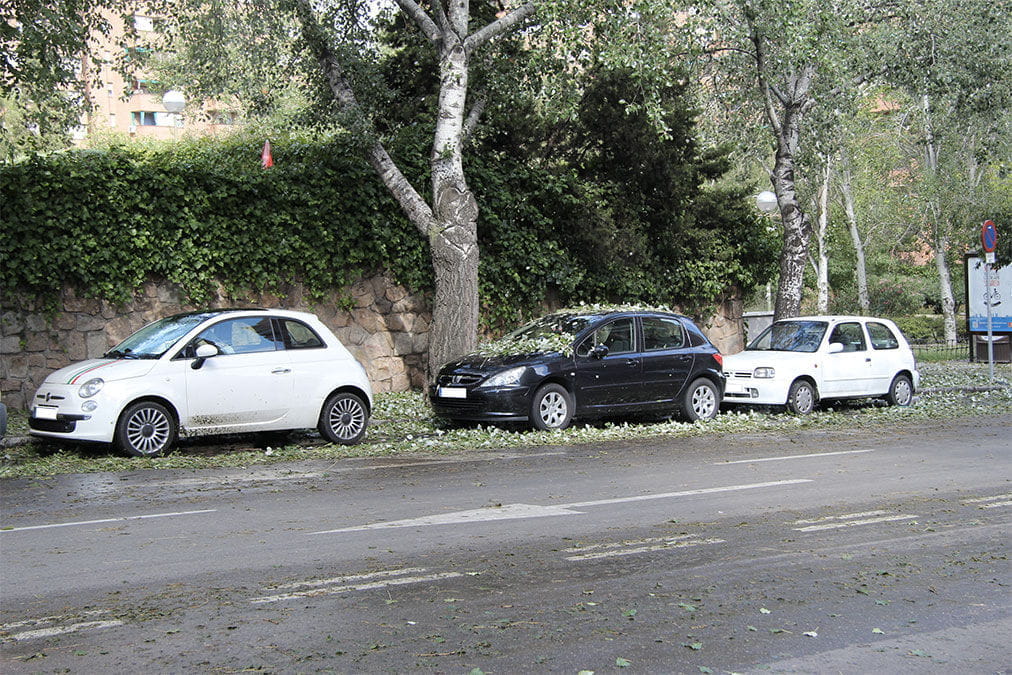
[
  {"x": 855, "y": 236},
  {"x": 941, "y": 229},
  {"x": 822, "y": 268}
]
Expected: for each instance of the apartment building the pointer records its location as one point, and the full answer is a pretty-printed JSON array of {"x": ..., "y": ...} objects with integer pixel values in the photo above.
[{"x": 135, "y": 107}]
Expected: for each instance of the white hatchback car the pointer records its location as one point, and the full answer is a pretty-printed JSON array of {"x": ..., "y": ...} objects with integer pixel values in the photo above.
[
  {"x": 799, "y": 362},
  {"x": 214, "y": 372}
]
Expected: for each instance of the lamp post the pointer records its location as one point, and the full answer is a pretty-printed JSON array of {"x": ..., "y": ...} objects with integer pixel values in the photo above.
[{"x": 766, "y": 202}]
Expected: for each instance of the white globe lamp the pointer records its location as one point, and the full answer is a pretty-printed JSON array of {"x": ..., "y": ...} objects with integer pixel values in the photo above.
[
  {"x": 174, "y": 101},
  {"x": 766, "y": 201}
]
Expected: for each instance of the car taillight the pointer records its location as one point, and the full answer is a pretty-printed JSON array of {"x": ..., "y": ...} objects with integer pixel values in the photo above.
[{"x": 719, "y": 358}]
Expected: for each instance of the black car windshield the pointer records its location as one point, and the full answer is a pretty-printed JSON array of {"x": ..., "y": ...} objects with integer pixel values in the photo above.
[
  {"x": 157, "y": 338},
  {"x": 790, "y": 336},
  {"x": 553, "y": 325}
]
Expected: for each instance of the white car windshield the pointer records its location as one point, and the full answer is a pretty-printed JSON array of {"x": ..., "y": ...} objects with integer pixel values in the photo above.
[
  {"x": 790, "y": 336},
  {"x": 157, "y": 338}
]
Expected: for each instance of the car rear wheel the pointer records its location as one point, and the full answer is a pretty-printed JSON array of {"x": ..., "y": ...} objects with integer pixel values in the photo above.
[
  {"x": 145, "y": 429},
  {"x": 700, "y": 401},
  {"x": 901, "y": 391},
  {"x": 343, "y": 419},
  {"x": 801, "y": 398},
  {"x": 551, "y": 408}
]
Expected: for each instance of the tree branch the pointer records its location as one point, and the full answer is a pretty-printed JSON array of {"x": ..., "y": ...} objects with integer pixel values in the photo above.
[
  {"x": 471, "y": 122},
  {"x": 501, "y": 25},
  {"x": 421, "y": 19},
  {"x": 400, "y": 187}
]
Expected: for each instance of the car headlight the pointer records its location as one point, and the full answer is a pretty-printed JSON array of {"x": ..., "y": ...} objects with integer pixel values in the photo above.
[
  {"x": 506, "y": 378},
  {"x": 764, "y": 373},
  {"x": 91, "y": 387}
]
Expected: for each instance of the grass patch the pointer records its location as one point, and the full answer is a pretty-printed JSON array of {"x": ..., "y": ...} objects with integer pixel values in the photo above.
[{"x": 403, "y": 424}]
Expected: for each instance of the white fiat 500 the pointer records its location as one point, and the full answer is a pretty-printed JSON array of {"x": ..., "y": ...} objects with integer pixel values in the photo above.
[
  {"x": 800, "y": 362},
  {"x": 215, "y": 372}
]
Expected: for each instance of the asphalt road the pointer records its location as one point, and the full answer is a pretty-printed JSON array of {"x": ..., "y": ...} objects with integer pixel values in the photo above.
[{"x": 849, "y": 552}]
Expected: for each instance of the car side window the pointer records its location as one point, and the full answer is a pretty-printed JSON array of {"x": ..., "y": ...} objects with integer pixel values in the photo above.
[
  {"x": 850, "y": 336},
  {"x": 618, "y": 336},
  {"x": 240, "y": 336},
  {"x": 881, "y": 336},
  {"x": 298, "y": 335},
  {"x": 659, "y": 334}
]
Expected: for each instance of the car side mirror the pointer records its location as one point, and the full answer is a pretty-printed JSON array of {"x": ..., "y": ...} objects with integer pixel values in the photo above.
[
  {"x": 204, "y": 352},
  {"x": 836, "y": 347},
  {"x": 599, "y": 352}
]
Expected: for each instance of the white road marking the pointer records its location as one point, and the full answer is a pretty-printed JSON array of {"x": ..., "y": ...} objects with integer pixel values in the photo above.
[
  {"x": 519, "y": 511},
  {"x": 611, "y": 550},
  {"x": 990, "y": 502},
  {"x": 51, "y": 631},
  {"x": 785, "y": 457},
  {"x": 508, "y": 512},
  {"x": 107, "y": 520},
  {"x": 344, "y": 588},
  {"x": 850, "y": 520},
  {"x": 352, "y": 577}
]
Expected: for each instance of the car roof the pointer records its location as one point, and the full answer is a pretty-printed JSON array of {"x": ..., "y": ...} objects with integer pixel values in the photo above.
[{"x": 834, "y": 318}]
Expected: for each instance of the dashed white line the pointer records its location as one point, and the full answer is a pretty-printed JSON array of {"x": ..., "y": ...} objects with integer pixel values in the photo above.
[
  {"x": 850, "y": 520},
  {"x": 344, "y": 588},
  {"x": 649, "y": 545},
  {"x": 990, "y": 502},
  {"x": 106, "y": 520},
  {"x": 54, "y": 630}
]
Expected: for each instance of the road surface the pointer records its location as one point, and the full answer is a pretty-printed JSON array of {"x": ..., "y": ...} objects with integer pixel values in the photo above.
[{"x": 860, "y": 551}]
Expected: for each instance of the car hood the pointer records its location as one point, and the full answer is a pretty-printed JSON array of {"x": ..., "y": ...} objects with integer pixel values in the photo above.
[
  {"x": 485, "y": 363},
  {"x": 107, "y": 369},
  {"x": 749, "y": 360}
]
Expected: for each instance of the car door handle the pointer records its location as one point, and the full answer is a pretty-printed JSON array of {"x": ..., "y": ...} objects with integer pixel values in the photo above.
[
  {"x": 867, "y": 359},
  {"x": 632, "y": 362},
  {"x": 281, "y": 371}
]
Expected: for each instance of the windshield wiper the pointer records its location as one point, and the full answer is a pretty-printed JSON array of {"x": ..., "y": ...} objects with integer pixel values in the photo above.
[{"x": 117, "y": 354}]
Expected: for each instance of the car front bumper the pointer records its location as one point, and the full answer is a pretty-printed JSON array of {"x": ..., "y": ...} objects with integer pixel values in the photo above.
[
  {"x": 56, "y": 412},
  {"x": 473, "y": 404},
  {"x": 755, "y": 391}
]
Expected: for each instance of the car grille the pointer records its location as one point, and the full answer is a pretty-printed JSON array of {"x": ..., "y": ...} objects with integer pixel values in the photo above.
[
  {"x": 458, "y": 380},
  {"x": 741, "y": 374},
  {"x": 53, "y": 426},
  {"x": 457, "y": 405}
]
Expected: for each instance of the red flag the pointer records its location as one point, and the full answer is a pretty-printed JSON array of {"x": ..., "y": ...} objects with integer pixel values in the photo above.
[{"x": 265, "y": 157}]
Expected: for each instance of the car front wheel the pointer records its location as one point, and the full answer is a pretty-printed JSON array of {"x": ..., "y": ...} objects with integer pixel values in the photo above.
[
  {"x": 343, "y": 419},
  {"x": 901, "y": 391},
  {"x": 801, "y": 398},
  {"x": 146, "y": 429},
  {"x": 551, "y": 408},
  {"x": 700, "y": 401}
]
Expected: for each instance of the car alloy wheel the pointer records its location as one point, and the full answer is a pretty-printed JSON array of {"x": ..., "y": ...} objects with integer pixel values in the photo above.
[
  {"x": 552, "y": 408},
  {"x": 700, "y": 401},
  {"x": 343, "y": 419},
  {"x": 146, "y": 429}
]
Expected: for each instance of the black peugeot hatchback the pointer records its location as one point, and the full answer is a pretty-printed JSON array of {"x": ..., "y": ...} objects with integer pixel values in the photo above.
[{"x": 585, "y": 363}]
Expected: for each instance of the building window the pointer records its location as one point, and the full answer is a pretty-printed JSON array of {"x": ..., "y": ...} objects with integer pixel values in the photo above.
[{"x": 149, "y": 118}]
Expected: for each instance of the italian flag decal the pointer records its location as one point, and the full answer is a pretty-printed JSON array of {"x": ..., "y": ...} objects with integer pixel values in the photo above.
[{"x": 90, "y": 369}]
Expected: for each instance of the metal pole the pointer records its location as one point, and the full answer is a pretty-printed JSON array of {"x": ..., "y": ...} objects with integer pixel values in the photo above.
[{"x": 990, "y": 332}]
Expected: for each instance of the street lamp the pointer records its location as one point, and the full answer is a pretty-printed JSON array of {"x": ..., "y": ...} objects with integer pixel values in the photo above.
[
  {"x": 766, "y": 201},
  {"x": 174, "y": 101}
]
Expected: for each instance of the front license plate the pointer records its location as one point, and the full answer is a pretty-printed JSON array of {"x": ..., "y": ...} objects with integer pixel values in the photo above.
[
  {"x": 46, "y": 412},
  {"x": 452, "y": 392}
]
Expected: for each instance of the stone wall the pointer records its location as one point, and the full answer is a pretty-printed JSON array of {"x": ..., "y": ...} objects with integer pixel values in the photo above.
[{"x": 381, "y": 323}]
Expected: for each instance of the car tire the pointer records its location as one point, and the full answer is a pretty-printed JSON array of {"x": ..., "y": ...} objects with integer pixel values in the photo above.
[
  {"x": 802, "y": 397},
  {"x": 700, "y": 401},
  {"x": 901, "y": 391},
  {"x": 551, "y": 408},
  {"x": 145, "y": 429},
  {"x": 343, "y": 419}
]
